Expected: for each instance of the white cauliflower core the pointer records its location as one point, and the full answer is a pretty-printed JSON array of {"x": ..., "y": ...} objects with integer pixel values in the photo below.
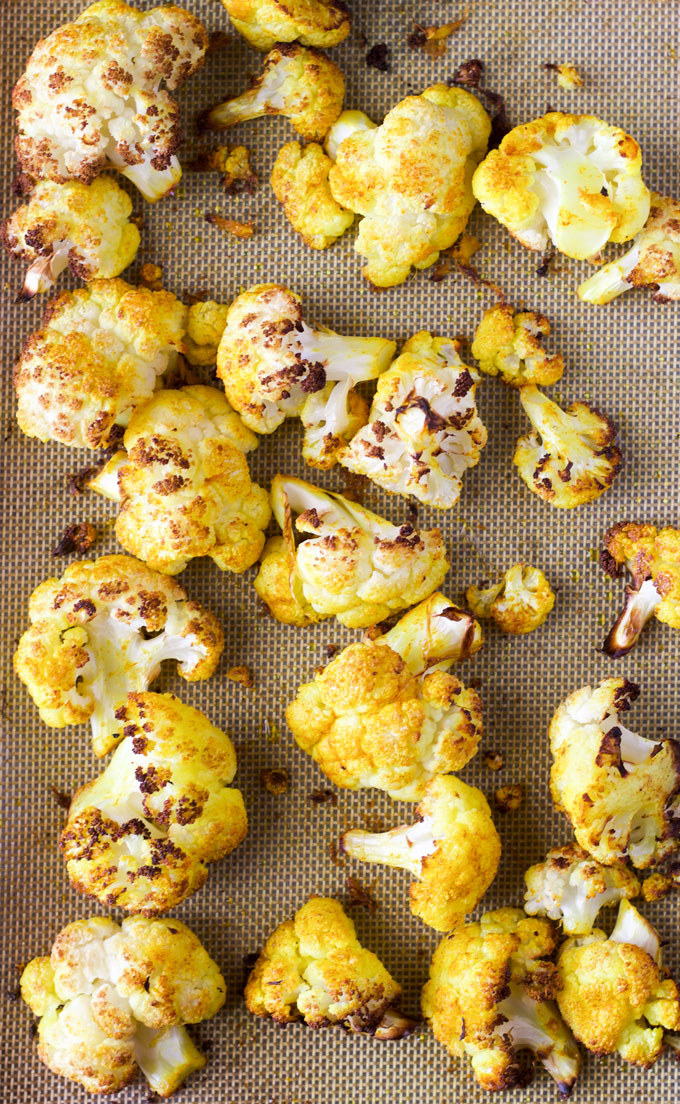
[{"x": 571, "y": 887}]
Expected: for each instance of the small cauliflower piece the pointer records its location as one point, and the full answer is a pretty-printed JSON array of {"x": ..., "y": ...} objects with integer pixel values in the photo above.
[
  {"x": 348, "y": 122},
  {"x": 299, "y": 180},
  {"x": 571, "y": 457},
  {"x": 114, "y": 999},
  {"x": 569, "y": 886},
  {"x": 651, "y": 557},
  {"x": 568, "y": 76},
  {"x": 510, "y": 343},
  {"x": 453, "y": 851},
  {"x": 205, "y": 326},
  {"x": 264, "y": 23},
  {"x": 423, "y": 430},
  {"x": 357, "y": 567},
  {"x": 520, "y": 603}
]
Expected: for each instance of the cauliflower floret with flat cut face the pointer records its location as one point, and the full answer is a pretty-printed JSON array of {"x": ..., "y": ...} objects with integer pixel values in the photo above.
[
  {"x": 510, "y": 343},
  {"x": 620, "y": 791},
  {"x": 653, "y": 260},
  {"x": 114, "y": 999},
  {"x": 410, "y": 179},
  {"x": 385, "y": 713},
  {"x": 205, "y": 326},
  {"x": 100, "y": 632},
  {"x": 520, "y": 603},
  {"x": 571, "y": 887},
  {"x": 357, "y": 566},
  {"x": 348, "y": 122},
  {"x": 423, "y": 431},
  {"x": 651, "y": 557},
  {"x": 299, "y": 180},
  {"x": 491, "y": 996},
  {"x": 140, "y": 836},
  {"x": 452, "y": 849},
  {"x": 313, "y": 968},
  {"x": 90, "y": 97},
  {"x": 312, "y": 22},
  {"x": 572, "y": 180},
  {"x": 570, "y": 457}
]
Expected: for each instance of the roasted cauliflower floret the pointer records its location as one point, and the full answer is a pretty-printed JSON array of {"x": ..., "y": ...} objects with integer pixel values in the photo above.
[
  {"x": 653, "y": 260},
  {"x": 620, "y": 791},
  {"x": 313, "y": 968},
  {"x": 520, "y": 603},
  {"x": 205, "y": 326},
  {"x": 423, "y": 431},
  {"x": 114, "y": 999},
  {"x": 312, "y": 22},
  {"x": 651, "y": 557},
  {"x": 357, "y": 566},
  {"x": 90, "y": 96},
  {"x": 300, "y": 182},
  {"x": 570, "y": 457},
  {"x": 410, "y": 179},
  {"x": 491, "y": 996},
  {"x": 385, "y": 713},
  {"x": 571, "y": 887},
  {"x": 510, "y": 343},
  {"x": 572, "y": 180},
  {"x": 296, "y": 81},
  {"x": 453, "y": 851}
]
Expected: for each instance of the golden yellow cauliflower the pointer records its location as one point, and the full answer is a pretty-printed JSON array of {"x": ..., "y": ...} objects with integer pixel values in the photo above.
[
  {"x": 300, "y": 182},
  {"x": 311, "y": 22},
  {"x": 511, "y": 343},
  {"x": 205, "y": 326},
  {"x": 520, "y": 603},
  {"x": 651, "y": 557}
]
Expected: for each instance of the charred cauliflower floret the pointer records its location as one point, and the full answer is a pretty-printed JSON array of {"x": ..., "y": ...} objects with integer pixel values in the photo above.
[
  {"x": 571, "y": 887},
  {"x": 620, "y": 791},
  {"x": 572, "y": 180},
  {"x": 205, "y": 326},
  {"x": 520, "y": 603},
  {"x": 651, "y": 557},
  {"x": 313, "y": 968},
  {"x": 312, "y": 22},
  {"x": 491, "y": 996},
  {"x": 140, "y": 835},
  {"x": 570, "y": 457},
  {"x": 296, "y": 81},
  {"x": 348, "y": 122},
  {"x": 300, "y": 182},
  {"x": 510, "y": 343},
  {"x": 357, "y": 566},
  {"x": 90, "y": 96},
  {"x": 614, "y": 994},
  {"x": 410, "y": 180},
  {"x": 101, "y": 632},
  {"x": 113, "y": 1000},
  {"x": 385, "y": 713},
  {"x": 453, "y": 851},
  {"x": 653, "y": 260},
  {"x": 423, "y": 431}
]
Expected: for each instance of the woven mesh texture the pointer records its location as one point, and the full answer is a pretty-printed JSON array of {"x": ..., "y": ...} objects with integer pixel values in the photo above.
[{"x": 623, "y": 357}]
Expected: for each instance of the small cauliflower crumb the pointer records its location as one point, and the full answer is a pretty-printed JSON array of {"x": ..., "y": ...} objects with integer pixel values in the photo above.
[
  {"x": 509, "y": 798},
  {"x": 568, "y": 76},
  {"x": 243, "y": 675}
]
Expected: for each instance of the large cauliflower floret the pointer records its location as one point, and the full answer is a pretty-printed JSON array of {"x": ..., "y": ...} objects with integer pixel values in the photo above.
[
  {"x": 313, "y": 968},
  {"x": 312, "y": 22},
  {"x": 90, "y": 97},
  {"x": 205, "y": 325},
  {"x": 510, "y": 343},
  {"x": 491, "y": 996},
  {"x": 357, "y": 567},
  {"x": 571, "y": 887},
  {"x": 620, "y": 791},
  {"x": 300, "y": 182},
  {"x": 410, "y": 180},
  {"x": 651, "y": 557},
  {"x": 296, "y": 81},
  {"x": 569, "y": 179},
  {"x": 424, "y": 431},
  {"x": 101, "y": 352},
  {"x": 101, "y": 632},
  {"x": 453, "y": 851},
  {"x": 83, "y": 227},
  {"x": 613, "y": 993},
  {"x": 570, "y": 458},
  {"x": 114, "y": 999},
  {"x": 520, "y": 603},
  {"x": 385, "y": 713},
  {"x": 140, "y": 835},
  {"x": 653, "y": 260}
]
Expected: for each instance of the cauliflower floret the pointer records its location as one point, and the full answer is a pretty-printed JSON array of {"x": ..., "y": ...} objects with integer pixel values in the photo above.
[
  {"x": 453, "y": 851},
  {"x": 569, "y": 179},
  {"x": 410, "y": 180},
  {"x": 313, "y": 968},
  {"x": 296, "y": 81},
  {"x": 570, "y": 458},
  {"x": 571, "y": 887},
  {"x": 358, "y": 567},
  {"x": 140, "y": 835},
  {"x": 620, "y": 791},
  {"x": 312, "y": 22},
  {"x": 101, "y": 632},
  {"x": 300, "y": 182},
  {"x": 348, "y": 122},
  {"x": 652, "y": 261},
  {"x": 205, "y": 326},
  {"x": 511, "y": 344},
  {"x": 424, "y": 431},
  {"x": 90, "y": 96},
  {"x": 112, "y": 999},
  {"x": 520, "y": 603},
  {"x": 652, "y": 558},
  {"x": 384, "y": 713},
  {"x": 101, "y": 352}
]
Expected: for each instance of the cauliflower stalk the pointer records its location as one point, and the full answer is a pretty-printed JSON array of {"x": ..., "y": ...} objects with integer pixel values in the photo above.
[
  {"x": 519, "y": 603},
  {"x": 651, "y": 557},
  {"x": 299, "y": 180},
  {"x": 571, "y": 887},
  {"x": 312, "y": 22},
  {"x": 653, "y": 260},
  {"x": 510, "y": 344}
]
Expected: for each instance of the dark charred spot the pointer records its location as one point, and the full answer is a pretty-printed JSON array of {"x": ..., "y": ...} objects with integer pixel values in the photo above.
[
  {"x": 359, "y": 894},
  {"x": 314, "y": 380},
  {"x": 546, "y": 261},
  {"x": 322, "y": 797},
  {"x": 463, "y": 384},
  {"x": 380, "y": 57},
  {"x": 88, "y": 607},
  {"x": 62, "y": 799},
  {"x": 609, "y": 564},
  {"x": 469, "y": 75},
  {"x": 565, "y": 473}
]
